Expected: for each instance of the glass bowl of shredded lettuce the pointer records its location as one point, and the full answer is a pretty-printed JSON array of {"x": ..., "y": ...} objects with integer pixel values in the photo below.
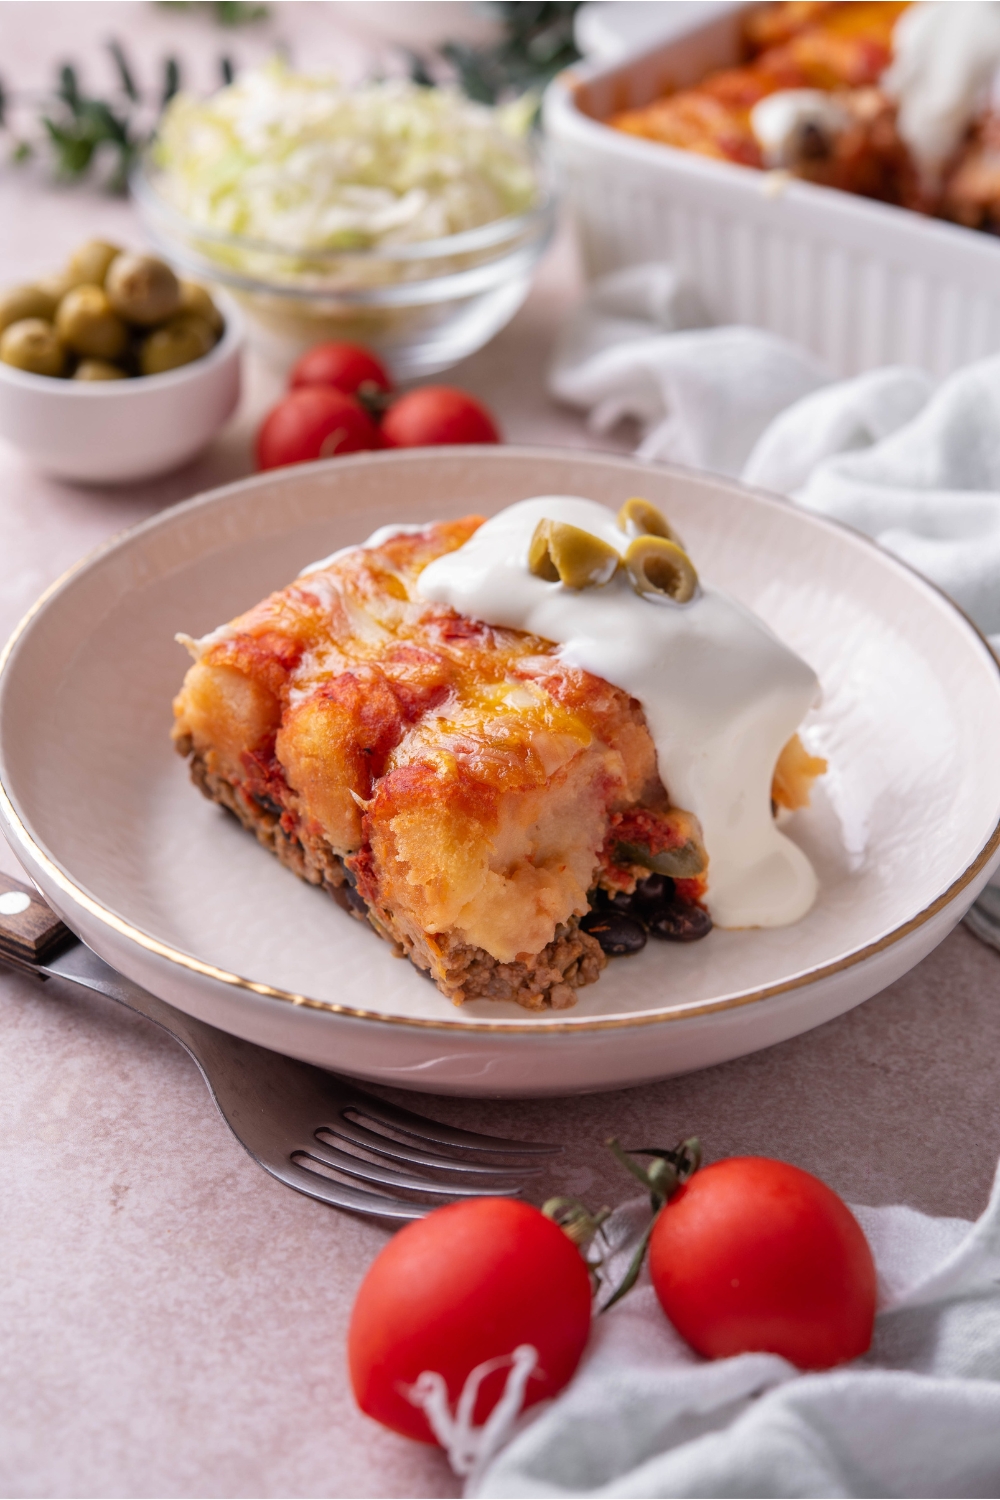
[{"x": 406, "y": 218}]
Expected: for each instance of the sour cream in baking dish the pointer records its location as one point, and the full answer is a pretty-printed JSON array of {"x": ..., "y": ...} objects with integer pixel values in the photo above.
[{"x": 721, "y": 694}]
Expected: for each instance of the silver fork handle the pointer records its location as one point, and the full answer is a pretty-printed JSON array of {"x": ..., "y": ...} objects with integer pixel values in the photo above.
[{"x": 80, "y": 965}]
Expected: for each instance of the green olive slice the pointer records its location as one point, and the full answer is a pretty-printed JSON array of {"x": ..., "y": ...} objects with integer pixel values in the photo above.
[
  {"x": 561, "y": 553},
  {"x": 639, "y": 517},
  {"x": 659, "y": 567},
  {"x": 539, "y": 557}
]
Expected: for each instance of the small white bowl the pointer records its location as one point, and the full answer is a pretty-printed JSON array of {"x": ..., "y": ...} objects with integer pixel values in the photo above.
[{"x": 115, "y": 431}]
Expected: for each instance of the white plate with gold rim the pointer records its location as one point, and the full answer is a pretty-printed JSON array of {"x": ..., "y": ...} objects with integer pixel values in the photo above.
[{"x": 904, "y": 830}]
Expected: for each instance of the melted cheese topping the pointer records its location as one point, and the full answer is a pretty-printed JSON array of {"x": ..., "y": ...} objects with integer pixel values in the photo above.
[{"x": 720, "y": 692}]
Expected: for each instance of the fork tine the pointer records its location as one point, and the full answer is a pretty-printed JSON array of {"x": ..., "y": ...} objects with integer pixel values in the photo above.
[
  {"x": 402, "y": 1151},
  {"x": 423, "y": 1129},
  {"x": 374, "y": 1172},
  {"x": 340, "y": 1195}
]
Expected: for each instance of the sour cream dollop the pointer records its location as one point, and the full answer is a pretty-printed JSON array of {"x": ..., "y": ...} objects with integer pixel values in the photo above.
[
  {"x": 721, "y": 694},
  {"x": 794, "y": 124}
]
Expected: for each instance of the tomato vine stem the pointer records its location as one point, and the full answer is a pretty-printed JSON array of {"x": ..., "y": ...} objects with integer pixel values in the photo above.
[{"x": 668, "y": 1172}]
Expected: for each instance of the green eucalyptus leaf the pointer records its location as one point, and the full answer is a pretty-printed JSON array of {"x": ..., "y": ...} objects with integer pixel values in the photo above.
[
  {"x": 124, "y": 71},
  {"x": 171, "y": 81}
]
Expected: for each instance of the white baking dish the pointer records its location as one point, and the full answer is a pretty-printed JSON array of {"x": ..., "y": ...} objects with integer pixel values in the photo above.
[{"x": 860, "y": 283}]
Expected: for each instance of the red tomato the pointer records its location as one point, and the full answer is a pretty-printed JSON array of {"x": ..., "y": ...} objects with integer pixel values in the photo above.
[
  {"x": 314, "y": 422},
  {"x": 436, "y": 414},
  {"x": 753, "y": 1254},
  {"x": 467, "y": 1284},
  {"x": 346, "y": 367}
]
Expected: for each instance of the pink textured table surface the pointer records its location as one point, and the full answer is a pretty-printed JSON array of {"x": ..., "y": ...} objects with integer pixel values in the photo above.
[{"x": 172, "y": 1321}]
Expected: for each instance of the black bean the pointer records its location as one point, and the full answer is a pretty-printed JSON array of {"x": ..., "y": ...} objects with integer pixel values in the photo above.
[
  {"x": 616, "y": 932},
  {"x": 653, "y": 892},
  {"x": 349, "y": 899},
  {"x": 611, "y": 900},
  {"x": 678, "y": 922},
  {"x": 267, "y": 804}
]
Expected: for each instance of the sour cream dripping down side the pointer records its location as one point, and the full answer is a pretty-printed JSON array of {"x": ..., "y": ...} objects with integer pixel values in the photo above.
[
  {"x": 720, "y": 692},
  {"x": 944, "y": 58}
]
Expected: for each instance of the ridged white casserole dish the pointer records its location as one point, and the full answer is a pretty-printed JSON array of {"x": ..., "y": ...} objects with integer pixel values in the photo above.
[{"x": 859, "y": 283}]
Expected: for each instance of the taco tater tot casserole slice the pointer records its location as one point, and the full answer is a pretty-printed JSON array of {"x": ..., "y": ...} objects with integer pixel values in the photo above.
[{"x": 460, "y": 785}]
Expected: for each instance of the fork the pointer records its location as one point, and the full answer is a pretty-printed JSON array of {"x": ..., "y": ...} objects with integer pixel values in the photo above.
[
  {"x": 281, "y": 1111},
  {"x": 983, "y": 916}
]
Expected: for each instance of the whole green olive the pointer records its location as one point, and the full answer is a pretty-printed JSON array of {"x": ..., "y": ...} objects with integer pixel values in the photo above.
[
  {"x": 179, "y": 342},
  {"x": 142, "y": 289},
  {"x": 33, "y": 345},
  {"x": 30, "y": 301},
  {"x": 89, "y": 325},
  {"x": 195, "y": 299},
  {"x": 88, "y": 265},
  {"x": 55, "y": 286},
  {"x": 98, "y": 369}
]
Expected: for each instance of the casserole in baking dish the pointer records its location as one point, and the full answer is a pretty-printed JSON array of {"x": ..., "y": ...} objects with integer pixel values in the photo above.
[{"x": 860, "y": 282}]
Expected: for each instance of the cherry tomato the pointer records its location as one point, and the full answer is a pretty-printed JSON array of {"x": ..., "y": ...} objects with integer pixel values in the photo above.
[
  {"x": 345, "y": 367},
  {"x": 314, "y": 422},
  {"x": 467, "y": 1284},
  {"x": 436, "y": 414},
  {"x": 752, "y": 1254}
]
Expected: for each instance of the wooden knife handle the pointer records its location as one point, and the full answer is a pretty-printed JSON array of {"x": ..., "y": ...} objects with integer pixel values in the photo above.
[{"x": 29, "y": 928}]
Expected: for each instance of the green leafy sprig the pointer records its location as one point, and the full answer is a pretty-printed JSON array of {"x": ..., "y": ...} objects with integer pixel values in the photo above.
[
  {"x": 536, "y": 43},
  {"x": 82, "y": 130},
  {"x": 79, "y": 126},
  {"x": 223, "y": 12}
]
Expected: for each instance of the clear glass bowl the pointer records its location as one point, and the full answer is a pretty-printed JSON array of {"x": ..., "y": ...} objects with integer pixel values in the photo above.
[{"x": 421, "y": 307}]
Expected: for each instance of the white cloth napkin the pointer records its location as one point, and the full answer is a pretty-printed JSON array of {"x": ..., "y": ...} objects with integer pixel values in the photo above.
[
  {"x": 913, "y": 464},
  {"x": 918, "y": 1415}
]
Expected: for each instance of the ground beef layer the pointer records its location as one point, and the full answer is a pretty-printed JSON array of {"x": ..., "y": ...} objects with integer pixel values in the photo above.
[{"x": 549, "y": 981}]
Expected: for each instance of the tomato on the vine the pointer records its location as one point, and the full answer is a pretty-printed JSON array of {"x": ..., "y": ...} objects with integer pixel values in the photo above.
[
  {"x": 468, "y": 1284},
  {"x": 314, "y": 422},
  {"x": 434, "y": 415},
  {"x": 752, "y": 1254},
  {"x": 345, "y": 367}
]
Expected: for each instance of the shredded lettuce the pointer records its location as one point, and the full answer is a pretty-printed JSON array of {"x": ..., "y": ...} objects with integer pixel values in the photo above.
[{"x": 303, "y": 163}]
